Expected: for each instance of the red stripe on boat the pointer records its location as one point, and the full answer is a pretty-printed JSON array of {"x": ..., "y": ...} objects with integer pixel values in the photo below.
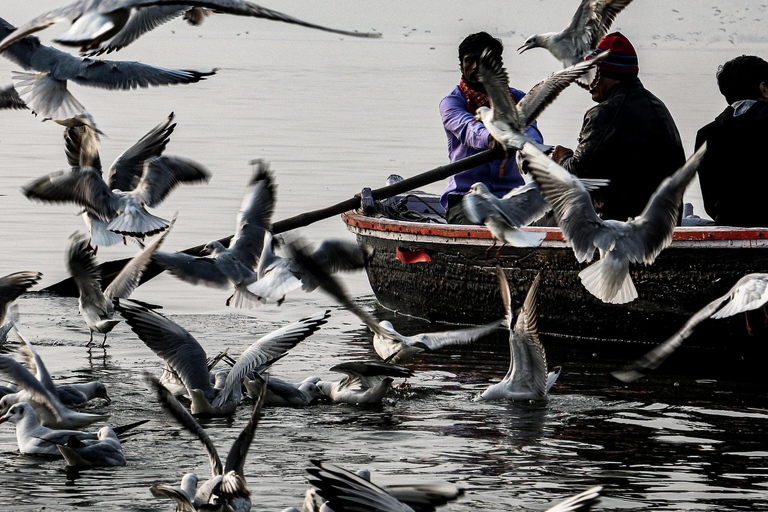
[{"x": 417, "y": 256}]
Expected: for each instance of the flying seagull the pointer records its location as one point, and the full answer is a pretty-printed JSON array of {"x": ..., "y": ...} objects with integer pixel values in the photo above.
[
  {"x": 45, "y": 90},
  {"x": 9, "y": 99},
  {"x": 527, "y": 378},
  {"x": 232, "y": 265},
  {"x": 638, "y": 240},
  {"x": 12, "y": 286},
  {"x": 507, "y": 121},
  {"x": 227, "y": 487},
  {"x": 589, "y": 25},
  {"x": 389, "y": 344},
  {"x": 96, "y": 21},
  {"x": 750, "y": 292}
]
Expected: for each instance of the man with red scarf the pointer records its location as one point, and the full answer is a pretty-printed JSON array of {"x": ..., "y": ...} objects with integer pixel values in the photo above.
[{"x": 467, "y": 137}]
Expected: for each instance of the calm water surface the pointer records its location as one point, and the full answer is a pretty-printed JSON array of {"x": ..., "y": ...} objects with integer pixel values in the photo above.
[{"x": 333, "y": 115}]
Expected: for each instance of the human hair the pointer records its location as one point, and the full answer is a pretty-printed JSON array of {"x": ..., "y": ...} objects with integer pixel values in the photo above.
[
  {"x": 740, "y": 78},
  {"x": 476, "y": 43}
]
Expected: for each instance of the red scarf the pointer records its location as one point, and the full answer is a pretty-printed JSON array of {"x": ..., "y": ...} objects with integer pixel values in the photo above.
[{"x": 474, "y": 99}]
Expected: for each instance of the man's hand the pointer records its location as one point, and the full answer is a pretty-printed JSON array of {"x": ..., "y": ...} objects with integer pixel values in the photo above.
[{"x": 559, "y": 152}]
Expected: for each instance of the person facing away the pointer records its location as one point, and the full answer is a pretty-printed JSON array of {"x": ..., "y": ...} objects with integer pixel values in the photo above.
[
  {"x": 467, "y": 137},
  {"x": 735, "y": 146},
  {"x": 629, "y": 137}
]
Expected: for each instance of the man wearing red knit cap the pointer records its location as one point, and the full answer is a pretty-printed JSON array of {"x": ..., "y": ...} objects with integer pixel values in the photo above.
[{"x": 629, "y": 137}]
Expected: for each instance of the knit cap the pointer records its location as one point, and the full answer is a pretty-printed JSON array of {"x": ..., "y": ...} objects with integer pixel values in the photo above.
[{"x": 621, "y": 62}]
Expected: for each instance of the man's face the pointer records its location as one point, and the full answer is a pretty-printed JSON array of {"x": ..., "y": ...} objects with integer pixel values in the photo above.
[
  {"x": 469, "y": 68},
  {"x": 601, "y": 87}
]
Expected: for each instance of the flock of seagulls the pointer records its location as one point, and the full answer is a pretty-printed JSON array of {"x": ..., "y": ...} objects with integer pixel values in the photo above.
[{"x": 115, "y": 210}]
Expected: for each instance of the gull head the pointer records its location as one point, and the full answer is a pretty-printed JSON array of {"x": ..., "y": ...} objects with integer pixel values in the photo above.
[
  {"x": 535, "y": 41},
  {"x": 17, "y": 412},
  {"x": 312, "y": 390},
  {"x": 214, "y": 248},
  {"x": 479, "y": 188},
  {"x": 6, "y": 403},
  {"x": 483, "y": 114}
]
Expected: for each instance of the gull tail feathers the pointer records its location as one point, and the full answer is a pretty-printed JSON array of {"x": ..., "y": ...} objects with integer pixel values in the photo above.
[
  {"x": 46, "y": 96},
  {"x": 244, "y": 299},
  {"x": 522, "y": 238},
  {"x": 183, "y": 504},
  {"x": 609, "y": 281},
  {"x": 552, "y": 377},
  {"x": 138, "y": 223},
  {"x": 101, "y": 236}
]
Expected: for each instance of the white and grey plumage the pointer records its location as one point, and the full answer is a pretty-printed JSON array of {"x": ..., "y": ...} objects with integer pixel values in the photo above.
[
  {"x": 507, "y": 121},
  {"x": 389, "y": 344},
  {"x": 48, "y": 408},
  {"x": 278, "y": 276},
  {"x": 227, "y": 486},
  {"x": 345, "y": 490},
  {"x": 45, "y": 89},
  {"x": 96, "y": 307},
  {"x": 187, "y": 358},
  {"x": 365, "y": 382},
  {"x": 96, "y": 21},
  {"x": 12, "y": 286},
  {"x": 233, "y": 265},
  {"x": 527, "y": 378},
  {"x": 590, "y": 23},
  {"x": 281, "y": 393},
  {"x": 105, "y": 451},
  {"x": 138, "y": 179},
  {"x": 10, "y": 99},
  {"x": 750, "y": 292},
  {"x": 638, "y": 240}
]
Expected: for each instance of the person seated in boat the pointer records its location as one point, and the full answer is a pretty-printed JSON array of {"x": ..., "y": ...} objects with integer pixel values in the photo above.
[
  {"x": 467, "y": 137},
  {"x": 629, "y": 137},
  {"x": 735, "y": 142}
]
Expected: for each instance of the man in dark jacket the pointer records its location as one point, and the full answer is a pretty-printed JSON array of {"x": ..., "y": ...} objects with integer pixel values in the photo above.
[
  {"x": 734, "y": 170},
  {"x": 629, "y": 137}
]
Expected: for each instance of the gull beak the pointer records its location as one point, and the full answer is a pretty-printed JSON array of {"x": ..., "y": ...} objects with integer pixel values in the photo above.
[
  {"x": 108, "y": 399},
  {"x": 4, "y": 419},
  {"x": 523, "y": 48}
]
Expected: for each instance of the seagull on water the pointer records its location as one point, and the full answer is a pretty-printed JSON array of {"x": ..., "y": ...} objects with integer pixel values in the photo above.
[
  {"x": 96, "y": 21},
  {"x": 45, "y": 90},
  {"x": 227, "y": 487},
  {"x": 278, "y": 276},
  {"x": 96, "y": 307},
  {"x": 588, "y": 26},
  {"x": 105, "y": 451},
  {"x": 638, "y": 240},
  {"x": 750, "y": 292},
  {"x": 507, "y": 121},
  {"x": 187, "y": 358},
  {"x": 281, "y": 393},
  {"x": 365, "y": 382},
  {"x": 389, "y": 344},
  {"x": 527, "y": 378},
  {"x": 232, "y": 265}
]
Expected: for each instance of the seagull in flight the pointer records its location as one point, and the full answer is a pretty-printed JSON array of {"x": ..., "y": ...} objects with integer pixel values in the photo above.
[
  {"x": 527, "y": 378},
  {"x": 9, "y": 99},
  {"x": 389, "y": 344},
  {"x": 507, "y": 121},
  {"x": 638, "y": 240},
  {"x": 233, "y": 265},
  {"x": 96, "y": 21},
  {"x": 45, "y": 91},
  {"x": 750, "y": 292},
  {"x": 588, "y": 26},
  {"x": 12, "y": 286}
]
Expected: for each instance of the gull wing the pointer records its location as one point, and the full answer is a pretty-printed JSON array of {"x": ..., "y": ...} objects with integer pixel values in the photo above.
[
  {"x": 652, "y": 359},
  {"x": 66, "y": 13},
  {"x": 268, "y": 349},
  {"x": 580, "y": 502},
  {"x": 81, "y": 146},
  {"x": 360, "y": 373},
  {"x": 750, "y": 292},
  {"x": 142, "y": 20},
  {"x": 652, "y": 230},
  {"x": 16, "y": 372},
  {"x": 163, "y": 174},
  {"x": 82, "y": 265},
  {"x": 128, "y": 279},
  {"x": 193, "y": 269},
  {"x": 496, "y": 82},
  {"x": 528, "y": 361},
  {"x": 114, "y": 74},
  {"x": 36, "y": 364},
  {"x": 345, "y": 490},
  {"x": 476, "y": 207},
  {"x": 255, "y": 216},
  {"x": 183, "y": 416},
  {"x": 10, "y": 99},
  {"x": 335, "y": 255},
  {"x": 523, "y": 205},
  {"x": 438, "y": 340},
  {"x": 172, "y": 343},
  {"x": 239, "y": 450},
  {"x": 544, "y": 93},
  {"x": 591, "y": 23},
  {"x": 569, "y": 199},
  {"x": 82, "y": 186},
  {"x": 127, "y": 169},
  {"x": 425, "y": 497},
  {"x": 13, "y": 285}
]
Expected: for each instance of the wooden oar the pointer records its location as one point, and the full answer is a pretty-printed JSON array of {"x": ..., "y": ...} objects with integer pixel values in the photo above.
[{"x": 110, "y": 269}]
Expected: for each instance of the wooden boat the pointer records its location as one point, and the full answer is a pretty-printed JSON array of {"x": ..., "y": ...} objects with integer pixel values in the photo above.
[{"x": 439, "y": 272}]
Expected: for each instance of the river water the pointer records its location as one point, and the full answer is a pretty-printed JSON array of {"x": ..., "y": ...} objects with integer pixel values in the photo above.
[{"x": 332, "y": 115}]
